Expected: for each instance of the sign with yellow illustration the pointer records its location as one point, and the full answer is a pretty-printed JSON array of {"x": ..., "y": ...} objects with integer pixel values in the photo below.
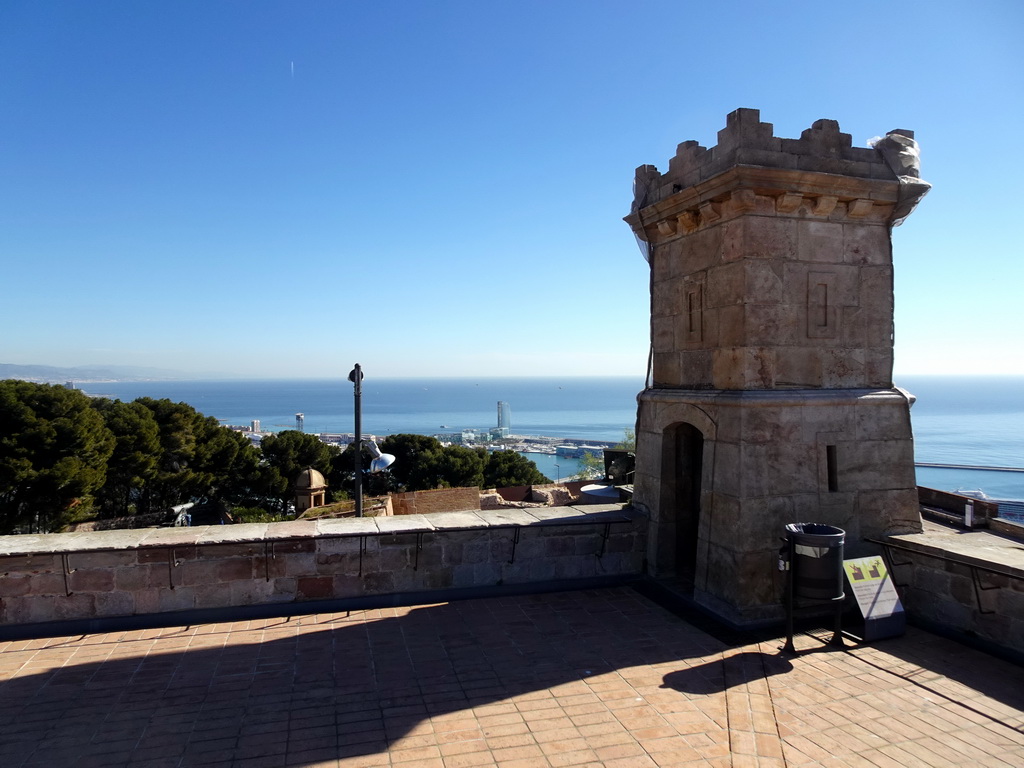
[
  {"x": 856, "y": 570},
  {"x": 876, "y": 597}
]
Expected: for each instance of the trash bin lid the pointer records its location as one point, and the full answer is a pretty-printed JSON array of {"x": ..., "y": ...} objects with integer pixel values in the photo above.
[{"x": 815, "y": 533}]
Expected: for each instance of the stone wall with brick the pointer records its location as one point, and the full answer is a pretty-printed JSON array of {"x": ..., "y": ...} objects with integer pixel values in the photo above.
[
  {"x": 436, "y": 500},
  {"x": 105, "y": 574}
]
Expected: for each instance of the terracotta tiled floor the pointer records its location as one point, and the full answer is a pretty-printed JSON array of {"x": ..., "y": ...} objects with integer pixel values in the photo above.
[{"x": 601, "y": 677}]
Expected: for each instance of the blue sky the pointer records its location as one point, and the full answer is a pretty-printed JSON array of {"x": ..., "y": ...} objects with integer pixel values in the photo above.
[{"x": 282, "y": 189}]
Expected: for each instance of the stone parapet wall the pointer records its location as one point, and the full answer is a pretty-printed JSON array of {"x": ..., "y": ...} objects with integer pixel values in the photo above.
[
  {"x": 968, "y": 584},
  {"x": 106, "y": 574},
  {"x": 1009, "y": 528}
]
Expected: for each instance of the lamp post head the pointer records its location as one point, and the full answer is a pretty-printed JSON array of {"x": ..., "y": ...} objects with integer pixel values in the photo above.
[{"x": 380, "y": 461}]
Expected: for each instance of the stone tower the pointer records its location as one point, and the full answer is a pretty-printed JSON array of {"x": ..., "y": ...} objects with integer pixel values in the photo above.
[{"x": 771, "y": 398}]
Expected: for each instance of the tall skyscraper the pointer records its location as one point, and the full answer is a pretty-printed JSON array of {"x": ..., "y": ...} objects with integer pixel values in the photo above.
[{"x": 504, "y": 417}]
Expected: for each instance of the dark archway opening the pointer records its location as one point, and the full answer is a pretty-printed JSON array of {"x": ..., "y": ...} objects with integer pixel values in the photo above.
[{"x": 682, "y": 464}]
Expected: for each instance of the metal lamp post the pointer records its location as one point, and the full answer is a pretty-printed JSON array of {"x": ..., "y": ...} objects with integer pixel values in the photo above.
[
  {"x": 380, "y": 460},
  {"x": 356, "y": 377}
]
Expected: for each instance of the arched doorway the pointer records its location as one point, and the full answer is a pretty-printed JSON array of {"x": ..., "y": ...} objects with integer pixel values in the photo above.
[{"x": 682, "y": 467}]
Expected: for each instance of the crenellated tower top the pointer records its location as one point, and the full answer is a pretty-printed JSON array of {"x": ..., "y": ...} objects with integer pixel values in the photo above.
[
  {"x": 772, "y": 258},
  {"x": 822, "y": 168}
]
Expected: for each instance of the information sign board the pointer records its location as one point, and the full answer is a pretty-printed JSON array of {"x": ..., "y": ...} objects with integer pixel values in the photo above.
[{"x": 876, "y": 597}]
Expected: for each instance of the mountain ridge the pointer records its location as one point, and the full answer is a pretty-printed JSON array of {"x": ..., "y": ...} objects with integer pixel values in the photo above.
[{"x": 60, "y": 374}]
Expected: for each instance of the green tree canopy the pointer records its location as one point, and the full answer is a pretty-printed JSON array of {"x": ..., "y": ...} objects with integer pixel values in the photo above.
[
  {"x": 457, "y": 466},
  {"x": 416, "y": 457},
  {"x": 591, "y": 466},
  {"x": 60, "y": 448},
  {"x": 54, "y": 449},
  {"x": 422, "y": 463},
  {"x": 136, "y": 456},
  {"x": 250, "y": 477},
  {"x": 341, "y": 480},
  {"x": 506, "y": 469},
  {"x": 288, "y": 453},
  {"x": 181, "y": 475},
  {"x": 168, "y": 453},
  {"x": 232, "y": 464}
]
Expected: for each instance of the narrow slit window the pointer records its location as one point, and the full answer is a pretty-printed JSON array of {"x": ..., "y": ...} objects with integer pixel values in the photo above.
[{"x": 832, "y": 468}]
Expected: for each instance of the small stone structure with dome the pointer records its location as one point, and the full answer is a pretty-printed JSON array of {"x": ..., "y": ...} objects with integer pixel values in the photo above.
[{"x": 310, "y": 490}]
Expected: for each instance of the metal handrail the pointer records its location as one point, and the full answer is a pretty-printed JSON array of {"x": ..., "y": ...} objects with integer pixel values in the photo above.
[
  {"x": 974, "y": 567},
  {"x": 947, "y": 559}
]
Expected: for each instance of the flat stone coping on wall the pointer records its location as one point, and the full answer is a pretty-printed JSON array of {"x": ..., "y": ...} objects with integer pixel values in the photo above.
[
  {"x": 775, "y": 397},
  {"x": 246, "y": 533},
  {"x": 982, "y": 549}
]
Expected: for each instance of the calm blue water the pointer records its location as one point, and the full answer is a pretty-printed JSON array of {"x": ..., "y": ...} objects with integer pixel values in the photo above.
[
  {"x": 555, "y": 467},
  {"x": 957, "y": 420},
  {"x": 969, "y": 420},
  {"x": 596, "y": 408}
]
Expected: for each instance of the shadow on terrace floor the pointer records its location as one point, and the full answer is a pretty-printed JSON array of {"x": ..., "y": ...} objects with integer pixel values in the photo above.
[{"x": 599, "y": 675}]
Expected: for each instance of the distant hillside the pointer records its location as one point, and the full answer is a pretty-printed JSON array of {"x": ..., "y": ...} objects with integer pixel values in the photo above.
[{"x": 51, "y": 373}]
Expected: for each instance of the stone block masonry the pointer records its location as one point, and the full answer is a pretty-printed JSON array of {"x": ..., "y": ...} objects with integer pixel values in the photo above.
[
  {"x": 107, "y": 574},
  {"x": 771, "y": 260},
  {"x": 435, "y": 500},
  {"x": 771, "y": 398},
  {"x": 966, "y": 583}
]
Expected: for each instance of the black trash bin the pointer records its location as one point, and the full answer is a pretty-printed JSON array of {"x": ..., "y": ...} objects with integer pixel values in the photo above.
[
  {"x": 815, "y": 572},
  {"x": 816, "y": 552}
]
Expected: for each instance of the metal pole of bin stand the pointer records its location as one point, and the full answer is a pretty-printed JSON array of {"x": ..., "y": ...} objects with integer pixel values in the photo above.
[{"x": 789, "y": 647}]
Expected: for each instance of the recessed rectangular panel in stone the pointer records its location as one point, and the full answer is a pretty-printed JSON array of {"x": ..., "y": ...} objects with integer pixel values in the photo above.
[
  {"x": 822, "y": 317},
  {"x": 694, "y": 313}
]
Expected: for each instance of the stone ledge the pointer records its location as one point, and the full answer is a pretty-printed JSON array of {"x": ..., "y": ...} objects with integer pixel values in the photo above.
[
  {"x": 260, "y": 533},
  {"x": 979, "y": 549},
  {"x": 1006, "y": 527},
  {"x": 775, "y": 192},
  {"x": 775, "y": 397},
  {"x": 965, "y": 584}
]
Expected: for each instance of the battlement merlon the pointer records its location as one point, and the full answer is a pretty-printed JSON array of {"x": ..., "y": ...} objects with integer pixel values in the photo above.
[{"x": 821, "y": 175}]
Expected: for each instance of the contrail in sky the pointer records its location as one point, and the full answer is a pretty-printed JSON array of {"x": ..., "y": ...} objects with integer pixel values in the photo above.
[{"x": 293, "y": 69}]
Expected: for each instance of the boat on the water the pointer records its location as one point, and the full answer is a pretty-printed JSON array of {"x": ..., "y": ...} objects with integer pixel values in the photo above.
[{"x": 974, "y": 493}]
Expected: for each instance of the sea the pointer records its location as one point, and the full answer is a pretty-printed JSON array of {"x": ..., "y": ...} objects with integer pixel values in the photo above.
[{"x": 958, "y": 421}]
